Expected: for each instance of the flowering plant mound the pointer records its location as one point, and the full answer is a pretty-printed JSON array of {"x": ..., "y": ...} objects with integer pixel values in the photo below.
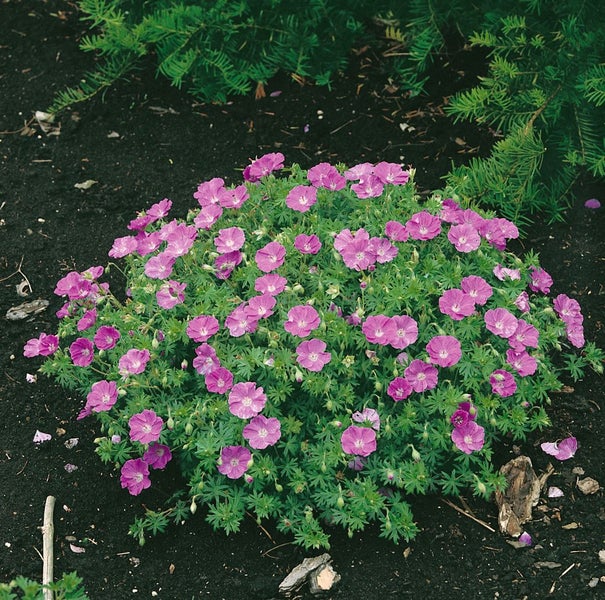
[{"x": 314, "y": 349}]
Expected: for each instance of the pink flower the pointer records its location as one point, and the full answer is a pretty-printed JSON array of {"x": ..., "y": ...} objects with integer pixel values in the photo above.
[
  {"x": 312, "y": 356},
  {"x": 234, "y": 461},
  {"x": 358, "y": 254},
  {"x": 396, "y": 231},
  {"x": 302, "y": 320},
  {"x": 496, "y": 231},
  {"x": 210, "y": 192},
  {"x": 157, "y": 456},
  {"x": 229, "y": 240},
  {"x": 202, "y": 328},
  {"x": 106, "y": 337},
  {"x": 133, "y": 362},
  {"x": 463, "y": 414},
  {"x": 74, "y": 286},
  {"x": 477, "y": 288},
  {"x": 522, "y": 302},
  {"x": 160, "y": 266},
  {"x": 307, "y": 244},
  {"x": 81, "y": 352},
  {"x": 457, "y": 304},
  {"x": 399, "y": 389},
  {"x": 522, "y": 362},
  {"x": 208, "y": 216},
  {"x": 260, "y": 307},
  {"x": 444, "y": 350},
  {"x": 44, "y": 345},
  {"x": 568, "y": 309},
  {"x": 270, "y": 284},
  {"x": 391, "y": 173},
  {"x": 123, "y": 246},
  {"x": 170, "y": 294},
  {"x": 246, "y": 400},
  {"x": 405, "y": 331},
  {"x": 369, "y": 416},
  {"x": 540, "y": 280},
  {"x": 235, "y": 198},
  {"x": 359, "y": 171},
  {"x": 219, "y": 380},
  {"x": 451, "y": 211},
  {"x": 360, "y": 441},
  {"x": 383, "y": 250},
  {"x": 469, "y": 437},
  {"x": 301, "y": 198},
  {"x": 262, "y": 432},
  {"x": 379, "y": 329},
  {"x": 270, "y": 257},
  {"x": 500, "y": 322},
  {"x": 180, "y": 239},
  {"x": 464, "y": 237},
  {"x": 575, "y": 334},
  {"x": 87, "y": 320},
  {"x": 592, "y": 203},
  {"x": 503, "y": 273},
  {"x": 148, "y": 242},
  {"x": 503, "y": 383},
  {"x": 145, "y": 427},
  {"x": 102, "y": 396},
  {"x": 160, "y": 209},
  {"x": 263, "y": 166},
  {"x": 326, "y": 176},
  {"x": 562, "y": 450},
  {"x": 239, "y": 322},
  {"x": 420, "y": 375},
  {"x": 423, "y": 226},
  {"x": 369, "y": 186},
  {"x": 525, "y": 336},
  {"x": 345, "y": 237},
  {"x": 134, "y": 475},
  {"x": 206, "y": 359}
]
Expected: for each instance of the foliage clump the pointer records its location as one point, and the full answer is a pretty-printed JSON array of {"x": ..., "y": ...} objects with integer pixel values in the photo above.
[{"x": 314, "y": 349}]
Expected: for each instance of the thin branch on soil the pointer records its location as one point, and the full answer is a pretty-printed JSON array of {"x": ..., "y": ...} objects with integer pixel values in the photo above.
[
  {"x": 48, "y": 533},
  {"x": 470, "y": 516},
  {"x": 267, "y": 552},
  {"x": 19, "y": 272}
]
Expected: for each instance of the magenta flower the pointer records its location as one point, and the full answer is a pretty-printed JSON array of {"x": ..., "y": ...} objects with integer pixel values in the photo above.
[
  {"x": 307, "y": 244},
  {"x": 464, "y": 237},
  {"x": 263, "y": 166},
  {"x": 383, "y": 250},
  {"x": 301, "y": 198},
  {"x": 457, "y": 304},
  {"x": 145, "y": 427},
  {"x": 367, "y": 415},
  {"x": 180, "y": 239},
  {"x": 360, "y": 441},
  {"x": 44, "y": 345},
  {"x": 503, "y": 273},
  {"x": 246, "y": 399},
  {"x": 469, "y": 437},
  {"x": 270, "y": 284},
  {"x": 592, "y": 203},
  {"x": 503, "y": 383},
  {"x": 219, "y": 380},
  {"x": 81, "y": 352},
  {"x": 225, "y": 263},
  {"x": 396, "y": 231},
  {"x": 238, "y": 322},
  {"x": 420, "y": 375},
  {"x": 562, "y": 450},
  {"x": 148, "y": 242},
  {"x": 260, "y": 307},
  {"x": 262, "y": 432},
  {"x": 134, "y": 475},
  {"x": 133, "y": 362},
  {"x": 379, "y": 329},
  {"x": 157, "y": 456},
  {"x": 575, "y": 334},
  {"x": 405, "y": 331},
  {"x": 497, "y": 231},
  {"x": 106, "y": 337},
  {"x": 391, "y": 173},
  {"x": 160, "y": 266},
  {"x": 463, "y": 414},
  {"x": 88, "y": 319},
  {"x": 74, "y": 286},
  {"x": 500, "y": 322},
  {"x": 229, "y": 240},
  {"x": 160, "y": 209},
  {"x": 525, "y": 336},
  {"x": 235, "y": 197},
  {"x": 522, "y": 362},
  {"x": 270, "y": 257},
  {"x": 568, "y": 309},
  {"x": 302, "y": 320},
  {"x": 202, "y": 328},
  {"x": 423, "y": 226},
  {"x": 170, "y": 294},
  {"x": 210, "y": 192},
  {"x": 359, "y": 171},
  {"x": 444, "y": 350},
  {"x": 123, "y": 246},
  {"x": 234, "y": 461},
  {"x": 102, "y": 396},
  {"x": 326, "y": 176},
  {"x": 208, "y": 216},
  {"x": 369, "y": 186},
  {"x": 477, "y": 288},
  {"x": 312, "y": 356},
  {"x": 540, "y": 280},
  {"x": 525, "y": 539},
  {"x": 399, "y": 389},
  {"x": 451, "y": 212},
  {"x": 522, "y": 302},
  {"x": 358, "y": 254},
  {"x": 206, "y": 359},
  {"x": 345, "y": 237}
]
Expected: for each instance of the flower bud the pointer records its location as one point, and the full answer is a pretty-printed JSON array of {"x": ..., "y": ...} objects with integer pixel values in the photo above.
[
  {"x": 193, "y": 507},
  {"x": 378, "y": 386},
  {"x": 340, "y": 502},
  {"x": 415, "y": 454},
  {"x": 154, "y": 343},
  {"x": 170, "y": 423},
  {"x": 481, "y": 487},
  {"x": 279, "y": 487},
  {"x": 189, "y": 428},
  {"x": 330, "y": 405}
]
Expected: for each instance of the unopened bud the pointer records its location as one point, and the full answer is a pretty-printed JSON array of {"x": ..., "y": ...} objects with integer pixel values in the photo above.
[
  {"x": 193, "y": 507},
  {"x": 189, "y": 428}
]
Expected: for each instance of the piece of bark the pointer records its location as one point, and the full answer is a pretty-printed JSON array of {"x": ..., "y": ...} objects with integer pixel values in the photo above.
[
  {"x": 322, "y": 580},
  {"x": 301, "y": 573}
]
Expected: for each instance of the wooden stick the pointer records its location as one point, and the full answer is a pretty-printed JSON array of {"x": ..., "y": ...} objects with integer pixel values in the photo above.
[
  {"x": 48, "y": 533},
  {"x": 467, "y": 514}
]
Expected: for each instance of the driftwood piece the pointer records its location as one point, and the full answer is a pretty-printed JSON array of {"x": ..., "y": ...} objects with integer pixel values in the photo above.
[
  {"x": 317, "y": 571},
  {"x": 48, "y": 533}
]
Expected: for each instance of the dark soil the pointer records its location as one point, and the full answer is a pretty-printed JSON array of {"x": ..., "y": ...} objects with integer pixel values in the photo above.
[{"x": 164, "y": 145}]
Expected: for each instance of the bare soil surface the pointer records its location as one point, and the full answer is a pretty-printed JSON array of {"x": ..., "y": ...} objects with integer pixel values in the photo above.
[{"x": 145, "y": 141}]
